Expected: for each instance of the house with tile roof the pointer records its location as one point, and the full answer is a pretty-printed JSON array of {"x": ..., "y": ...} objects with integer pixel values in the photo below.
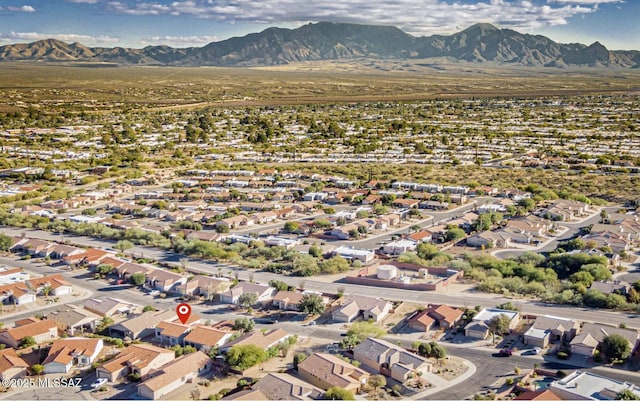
[
  {"x": 547, "y": 394},
  {"x": 169, "y": 333},
  {"x": 389, "y": 359},
  {"x": 16, "y": 294},
  {"x": 441, "y": 317},
  {"x": 326, "y": 371},
  {"x": 138, "y": 359},
  {"x": 67, "y": 353},
  {"x": 90, "y": 257},
  {"x": 11, "y": 365},
  {"x": 282, "y": 386},
  {"x": 41, "y": 330},
  {"x": 204, "y": 338},
  {"x": 59, "y": 286},
  {"x": 287, "y": 300},
  {"x": 355, "y": 306},
  {"x": 174, "y": 374}
]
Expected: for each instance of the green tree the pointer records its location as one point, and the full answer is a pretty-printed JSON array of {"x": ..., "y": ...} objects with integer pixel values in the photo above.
[
  {"x": 507, "y": 306},
  {"x": 6, "y": 242},
  {"x": 315, "y": 251},
  {"x": 424, "y": 349},
  {"x": 359, "y": 331},
  {"x": 498, "y": 325},
  {"x": 247, "y": 299},
  {"x": 312, "y": 304},
  {"x": 244, "y": 324},
  {"x": 627, "y": 394},
  {"x": 454, "y": 233},
  {"x": 305, "y": 265},
  {"x": 336, "y": 264},
  {"x": 279, "y": 285},
  {"x": 123, "y": 245},
  {"x": 377, "y": 381},
  {"x": 138, "y": 278},
  {"x": 104, "y": 269},
  {"x": 617, "y": 347},
  {"x": 291, "y": 226},
  {"x": 338, "y": 393},
  {"x": 427, "y": 251},
  {"x": 37, "y": 369},
  {"x": 26, "y": 342},
  {"x": 245, "y": 356},
  {"x": 438, "y": 351},
  {"x": 149, "y": 308}
]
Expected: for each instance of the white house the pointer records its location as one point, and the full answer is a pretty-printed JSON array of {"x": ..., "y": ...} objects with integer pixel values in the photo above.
[{"x": 66, "y": 353}]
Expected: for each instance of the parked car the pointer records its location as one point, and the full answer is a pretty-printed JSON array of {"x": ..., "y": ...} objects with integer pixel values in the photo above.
[
  {"x": 99, "y": 382},
  {"x": 154, "y": 293},
  {"x": 505, "y": 352}
]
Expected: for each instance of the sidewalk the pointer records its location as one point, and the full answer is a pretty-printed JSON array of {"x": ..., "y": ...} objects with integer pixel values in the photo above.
[{"x": 471, "y": 370}]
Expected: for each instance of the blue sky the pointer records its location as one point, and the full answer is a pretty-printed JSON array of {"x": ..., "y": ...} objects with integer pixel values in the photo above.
[{"x": 185, "y": 23}]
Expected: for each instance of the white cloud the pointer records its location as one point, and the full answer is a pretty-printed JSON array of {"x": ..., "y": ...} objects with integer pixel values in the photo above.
[
  {"x": 22, "y": 9},
  {"x": 417, "y": 17},
  {"x": 179, "y": 41},
  {"x": 12, "y": 37},
  {"x": 585, "y": 2},
  {"x": 84, "y": 1}
]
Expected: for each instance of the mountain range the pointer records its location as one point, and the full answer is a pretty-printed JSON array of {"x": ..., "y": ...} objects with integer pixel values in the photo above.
[{"x": 479, "y": 43}]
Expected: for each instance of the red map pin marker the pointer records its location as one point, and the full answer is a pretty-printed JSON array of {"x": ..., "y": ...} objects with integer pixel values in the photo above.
[{"x": 183, "y": 311}]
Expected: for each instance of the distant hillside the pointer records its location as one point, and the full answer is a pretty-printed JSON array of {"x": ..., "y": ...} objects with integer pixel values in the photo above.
[{"x": 335, "y": 41}]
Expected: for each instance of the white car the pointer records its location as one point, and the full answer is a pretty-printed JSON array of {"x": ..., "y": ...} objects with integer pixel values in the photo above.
[
  {"x": 99, "y": 382},
  {"x": 154, "y": 293},
  {"x": 537, "y": 350}
]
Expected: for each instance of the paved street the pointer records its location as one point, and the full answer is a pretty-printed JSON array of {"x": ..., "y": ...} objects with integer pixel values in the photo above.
[{"x": 467, "y": 299}]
